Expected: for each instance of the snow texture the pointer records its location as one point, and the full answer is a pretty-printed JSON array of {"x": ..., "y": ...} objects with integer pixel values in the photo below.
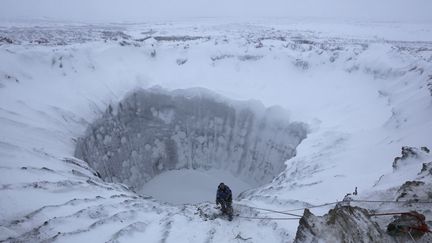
[{"x": 363, "y": 89}]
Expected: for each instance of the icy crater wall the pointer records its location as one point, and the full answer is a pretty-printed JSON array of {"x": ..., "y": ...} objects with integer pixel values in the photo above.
[{"x": 150, "y": 132}]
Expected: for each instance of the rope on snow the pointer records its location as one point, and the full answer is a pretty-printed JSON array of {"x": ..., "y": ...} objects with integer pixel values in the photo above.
[
  {"x": 264, "y": 218},
  {"x": 383, "y": 201},
  {"x": 270, "y": 210}
]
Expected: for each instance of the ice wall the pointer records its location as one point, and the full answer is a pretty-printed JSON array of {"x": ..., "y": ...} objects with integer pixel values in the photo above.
[{"x": 152, "y": 131}]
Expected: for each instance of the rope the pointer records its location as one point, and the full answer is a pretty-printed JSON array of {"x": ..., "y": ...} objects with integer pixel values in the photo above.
[
  {"x": 327, "y": 204},
  {"x": 382, "y": 201},
  {"x": 285, "y": 212},
  {"x": 270, "y": 210},
  {"x": 412, "y": 238},
  {"x": 245, "y": 217},
  {"x": 331, "y": 203},
  {"x": 383, "y": 214},
  {"x": 316, "y": 206}
]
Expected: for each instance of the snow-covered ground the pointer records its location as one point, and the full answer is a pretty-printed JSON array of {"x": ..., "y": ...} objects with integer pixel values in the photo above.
[
  {"x": 191, "y": 186},
  {"x": 364, "y": 89}
]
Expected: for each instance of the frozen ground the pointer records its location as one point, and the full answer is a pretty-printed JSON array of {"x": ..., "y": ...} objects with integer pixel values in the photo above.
[
  {"x": 191, "y": 186},
  {"x": 364, "y": 89}
]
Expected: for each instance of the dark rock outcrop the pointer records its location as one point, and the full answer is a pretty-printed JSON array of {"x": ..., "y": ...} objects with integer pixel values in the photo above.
[
  {"x": 5, "y": 40},
  {"x": 429, "y": 84},
  {"x": 411, "y": 191},
  {"x": 342, "y": 224},
  {"x": 425, "y": 149},
  {"x": 426, "y": 169},
  {"x": 412, "y": 222},
  {"x": 409, "y": 153},
  {"x": 346, "y": 224}
]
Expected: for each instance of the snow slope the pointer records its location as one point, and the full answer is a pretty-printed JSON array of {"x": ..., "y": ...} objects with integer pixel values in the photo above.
[
  {"x": 364, "y": 95},
  {"x": 190, "y": 186}
]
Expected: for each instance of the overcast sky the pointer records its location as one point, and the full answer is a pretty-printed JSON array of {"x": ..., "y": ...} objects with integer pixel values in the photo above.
[{"x": 123, "y": 10}]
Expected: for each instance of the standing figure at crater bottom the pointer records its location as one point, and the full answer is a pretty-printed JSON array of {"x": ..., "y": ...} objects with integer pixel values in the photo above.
[{"x": 224, "y": 198}]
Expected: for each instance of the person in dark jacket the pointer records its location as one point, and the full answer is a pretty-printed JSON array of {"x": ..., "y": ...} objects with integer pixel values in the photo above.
[{"x": 224, "y": 198}]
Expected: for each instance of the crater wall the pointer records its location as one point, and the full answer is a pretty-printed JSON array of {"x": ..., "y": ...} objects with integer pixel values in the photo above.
[{"x": 152, "y": 131}]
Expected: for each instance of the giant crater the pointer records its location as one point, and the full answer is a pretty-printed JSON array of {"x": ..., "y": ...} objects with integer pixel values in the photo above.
[{"x": 152, "y": 131}]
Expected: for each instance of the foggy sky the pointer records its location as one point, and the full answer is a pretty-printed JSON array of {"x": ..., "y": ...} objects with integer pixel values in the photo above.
[{"x": 124, "y": 10}]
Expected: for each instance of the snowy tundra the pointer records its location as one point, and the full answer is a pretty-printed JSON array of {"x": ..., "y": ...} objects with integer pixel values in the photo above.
[{"x": 357, "y": 93}]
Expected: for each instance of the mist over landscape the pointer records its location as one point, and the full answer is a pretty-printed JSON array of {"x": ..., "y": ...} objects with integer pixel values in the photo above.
[{"x": 139, "y": 10}]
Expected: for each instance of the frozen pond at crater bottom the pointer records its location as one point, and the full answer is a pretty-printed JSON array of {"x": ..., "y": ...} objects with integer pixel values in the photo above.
[{"x": 191, "y": 186}]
